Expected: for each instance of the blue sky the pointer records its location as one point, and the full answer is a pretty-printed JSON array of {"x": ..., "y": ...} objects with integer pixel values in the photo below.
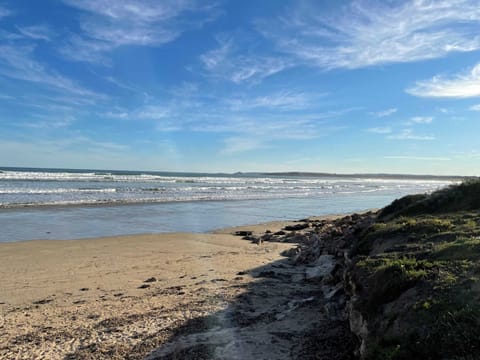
[{"x": 335, "y": 86}]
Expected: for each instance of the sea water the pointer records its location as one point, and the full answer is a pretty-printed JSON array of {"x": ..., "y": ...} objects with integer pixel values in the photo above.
[{"x": 71, "y": 204}]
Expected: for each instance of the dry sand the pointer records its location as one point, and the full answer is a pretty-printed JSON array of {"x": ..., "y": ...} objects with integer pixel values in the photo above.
[{"x": 118, "y": 297}]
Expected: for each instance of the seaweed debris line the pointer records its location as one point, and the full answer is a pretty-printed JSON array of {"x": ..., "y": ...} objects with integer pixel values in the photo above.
[{"x": 400, "y": 283}]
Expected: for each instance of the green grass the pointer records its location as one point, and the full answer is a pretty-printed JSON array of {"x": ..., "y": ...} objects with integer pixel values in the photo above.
[
  {"x": 460, "y": 249},
  {"x": 461, "y": 197},
  {"x": 388, "y": 278}
]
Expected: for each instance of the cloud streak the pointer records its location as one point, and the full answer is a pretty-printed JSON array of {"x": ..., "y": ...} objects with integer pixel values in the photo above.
[
  {"x": 380, "y": 130},
  {"x": 408, "y": 134},
  {"x": 418, "y": 158},
  {"x": 228, "y": 62},
  {"x": 18, "y": 63},
  {"x": 4, "y": 12},
  {"x": 385, "y": 113},
  {"x": 465, "y": 85},
  {"x": 369, "y": 33},
  {"x": 111, "y": 24},
  {"x": 421, "y": 119},
  {"x": 280, "y": 101},
  {"x": 36, "y": 32}
]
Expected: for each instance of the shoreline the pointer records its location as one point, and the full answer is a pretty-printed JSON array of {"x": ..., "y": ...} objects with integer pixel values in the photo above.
[{"x": 257, "y": 227}]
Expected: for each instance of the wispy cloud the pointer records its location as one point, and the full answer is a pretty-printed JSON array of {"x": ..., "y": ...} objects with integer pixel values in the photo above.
[
  {"x": 36, "y": 32},
  {"x": 408, "y": 134},
  {"x": 281, "y": 101},
  {"x": 421, "y": 120},
  {"x": 368, "y": 33},
  {"x": 380, "y": 130},
  {"x": 4, "y": 12},
  {"x": 463, "y": 85},
  {"x": 418, "y": 158},
  {"x": 50, "y": 123},
  {"x": 227, "y": 62},
  {"x": 475, "y": 107},
  {"x": 111, "y": 24},
  {"x": 252, "y": 133},
  {"x": 17, "y": 62},
  {"x": 384, "y": 113},
  {"x": 6, "y": 97},
  {"x": 79, "y": 48},
  {"x": 239, "y": 144}
]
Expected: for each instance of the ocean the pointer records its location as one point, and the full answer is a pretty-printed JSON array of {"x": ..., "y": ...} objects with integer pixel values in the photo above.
[{"x": 71, "y": 204}]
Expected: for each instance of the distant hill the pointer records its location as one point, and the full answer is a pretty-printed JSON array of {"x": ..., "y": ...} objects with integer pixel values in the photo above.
[{"x": 368, "y": 176}]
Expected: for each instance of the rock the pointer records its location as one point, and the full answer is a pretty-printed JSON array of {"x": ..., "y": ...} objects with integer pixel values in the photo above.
[
  {"x": 41, "y": 302},
  {"x": 150, "y": 280},
  {"x": 266, "y": 237},
  {"x": 243, "y": 233},
  {"x": 358, "y": 326},
  {"x": 296, "y": 227},
  {"x": 298, "y": 238},
  {"x": 331, "y": 292},
  {"x": 334, "y": 311},
  {"x": 290, "y": 252},
  {"x": 324, "y": 265},
  {"x": 144, "y": 286},
  {"x": 296, "y": 278},
  {"x": 279, "y": 233}
]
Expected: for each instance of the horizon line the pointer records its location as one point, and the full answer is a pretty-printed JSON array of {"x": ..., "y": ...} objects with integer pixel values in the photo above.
[{"x": 272, "y": 173}]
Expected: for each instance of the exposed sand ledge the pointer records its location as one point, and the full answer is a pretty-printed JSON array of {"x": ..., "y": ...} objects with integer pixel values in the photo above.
[{"x": 57, "y": 296}]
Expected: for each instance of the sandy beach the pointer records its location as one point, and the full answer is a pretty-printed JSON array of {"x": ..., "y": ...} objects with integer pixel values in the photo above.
[{"x": 121, "y": 297}]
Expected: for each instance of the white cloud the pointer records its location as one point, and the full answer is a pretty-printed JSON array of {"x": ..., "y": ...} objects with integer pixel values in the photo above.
[
  {"x": 89, "y": 50},
  {"x": 475, "y": 107},
  {"x": 116, "y": 115},
  {"x": 408, "y": 134},
  {"x": 145, "y": 112},
  {"x": 367, "y": 33},
  {"x": 421, "y": 119},
  {"x": 281, "y": 101},
  {"x": 6, "y": 97},
  {"x": 248, "y": 120},
  {"x": 152, "y": 112},
  {"x": 238, "y": 144},
  {"x": 227, "y": 62},
  {"x": 111, "y": 24},
  {"x": 17, "y": 62},
  {"x": 36, "y": 32},
  {"x": 419, "y": 158},
  {"x": 384, "y": 113},
  {"x": 464, "y": 85},
  {"x": 380, "y": 130},
  {"x": 4, "y": 12},
  {"x": 50, "y": 123}
]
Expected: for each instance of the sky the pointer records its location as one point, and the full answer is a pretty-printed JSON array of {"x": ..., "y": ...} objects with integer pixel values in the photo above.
[{"x": 225, "y": 86}]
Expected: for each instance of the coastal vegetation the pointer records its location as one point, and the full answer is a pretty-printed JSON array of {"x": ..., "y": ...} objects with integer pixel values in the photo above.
[{"x": 416, "y": 274}]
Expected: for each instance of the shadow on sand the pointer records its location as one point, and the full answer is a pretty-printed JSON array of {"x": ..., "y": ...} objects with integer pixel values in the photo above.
[{"x": 282, "y": 314}]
